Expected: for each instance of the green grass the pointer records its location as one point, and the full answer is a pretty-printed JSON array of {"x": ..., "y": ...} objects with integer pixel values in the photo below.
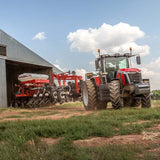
[
  {"x": 156, "y": 102},
  {"x": 65, "y": 150},
  {"x": 31, "y": 114},
  {"x": 14, "y": 116},
  {"x": 10, "y": 109},
  {"x": 38, "y": 113},
  {"x": 3, "y": 109},
  {"x": 107, "y": 123}
]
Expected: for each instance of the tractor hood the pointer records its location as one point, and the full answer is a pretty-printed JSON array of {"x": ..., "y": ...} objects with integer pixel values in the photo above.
[{"x": 130, "y": 70}]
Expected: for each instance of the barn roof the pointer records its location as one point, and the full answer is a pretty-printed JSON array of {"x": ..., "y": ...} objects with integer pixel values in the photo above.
[{"x": 16, "y": 51}]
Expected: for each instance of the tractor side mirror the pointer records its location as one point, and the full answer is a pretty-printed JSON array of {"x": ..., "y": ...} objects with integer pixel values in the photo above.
[
  {"x": 73, "y": 73},
  {"x": 138, "y": 59},
  {"x": 97, "y": 64}
]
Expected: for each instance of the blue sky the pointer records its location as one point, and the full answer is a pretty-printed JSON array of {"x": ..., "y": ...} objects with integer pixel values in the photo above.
[{"x": 23, "y": 19}]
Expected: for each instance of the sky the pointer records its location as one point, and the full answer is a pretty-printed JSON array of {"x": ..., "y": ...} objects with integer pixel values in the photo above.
[{"x": 68, "y": 33}]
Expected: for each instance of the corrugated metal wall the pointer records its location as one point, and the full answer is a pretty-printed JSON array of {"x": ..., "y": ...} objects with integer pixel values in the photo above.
[{"x": 3, "y": 87}]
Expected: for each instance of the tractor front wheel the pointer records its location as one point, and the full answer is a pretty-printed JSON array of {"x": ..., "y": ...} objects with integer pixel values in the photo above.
[
  {"x": 89, "y": 95},
  {"x": 146, "y": 101},
  {"x": 115, "y": 98}
]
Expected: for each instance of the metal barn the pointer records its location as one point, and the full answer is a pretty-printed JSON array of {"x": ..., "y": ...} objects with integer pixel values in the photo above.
[{"x": 16, "y": 59}]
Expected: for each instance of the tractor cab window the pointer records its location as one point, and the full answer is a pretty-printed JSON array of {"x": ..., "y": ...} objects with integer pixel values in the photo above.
[
  {"x": 115, "y": 63},
  {"x": 123, "y": 63}
]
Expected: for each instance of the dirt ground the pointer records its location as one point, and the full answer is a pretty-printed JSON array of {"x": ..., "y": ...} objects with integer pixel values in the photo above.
[
  {"x": 59, "y": 112},
  {"x": 52, "y": 112},
  {"x": 144, "y": 138}
]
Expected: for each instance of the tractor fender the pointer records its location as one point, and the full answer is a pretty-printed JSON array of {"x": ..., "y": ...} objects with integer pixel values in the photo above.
[
  {"x": 96, "y": 80},
  {"x": 120, "y": 75}
]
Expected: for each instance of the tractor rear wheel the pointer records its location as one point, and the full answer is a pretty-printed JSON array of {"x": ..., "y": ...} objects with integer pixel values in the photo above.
[
  {"x": 115, "y": 98},
  {"x": 146, "y": 101},
  {"x": 89, "y": 95}
]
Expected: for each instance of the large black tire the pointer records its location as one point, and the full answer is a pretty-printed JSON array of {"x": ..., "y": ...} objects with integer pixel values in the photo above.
[
  {"x": 89, "y": 95},
  {"x": 146, "y": 101},
  {"x": 115, "y": 98}
]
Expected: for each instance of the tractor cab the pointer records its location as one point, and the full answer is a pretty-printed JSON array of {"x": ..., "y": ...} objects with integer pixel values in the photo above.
[{"x": 109, "y": 65}]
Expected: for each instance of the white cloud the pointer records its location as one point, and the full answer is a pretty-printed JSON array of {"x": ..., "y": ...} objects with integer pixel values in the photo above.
[
  {"x": 155, "y": 65},
  {"x": 81, "y": 72},
  {"x": 40, "y": 36},
  {"x": 109, "y": 39}
]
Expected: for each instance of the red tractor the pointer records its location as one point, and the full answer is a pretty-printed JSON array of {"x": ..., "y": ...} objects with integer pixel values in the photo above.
[{"x": 115, "y": 82}]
